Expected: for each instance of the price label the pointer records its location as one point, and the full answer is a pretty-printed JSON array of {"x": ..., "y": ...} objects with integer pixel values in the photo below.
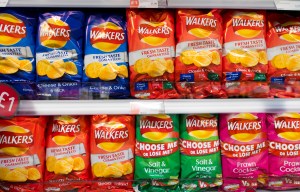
[
  {"x": 147, "y": 107},
  {"x": 3, "y": 3},
  {"x": 9, "y": 101},
  {"x": 148, "y": 3}
]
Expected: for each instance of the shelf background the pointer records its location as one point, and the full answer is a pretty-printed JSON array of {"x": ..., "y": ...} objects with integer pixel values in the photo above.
[
  {"x": 69, "y": 3},
  {"x": 176, "y": 106},
  {"x": 225, "y": 4}
]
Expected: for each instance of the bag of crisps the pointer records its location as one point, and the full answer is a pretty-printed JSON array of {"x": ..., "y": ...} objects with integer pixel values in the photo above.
[
  {"x": 17, "y": 51},
  {"x": 284, "y": 150},
  {"x": 157, "y": 157},
  {"x": 59, "y": 46},
  {"x": 106, "y": 53},
  {"x": 22, "y": 153},
  {"x": 200, "y": 152},
  {"x": 244, "y": 151},
  {"x": 151, "y": 47},
  {"x": 17, "y": 47},
  {"x": 283, "y": 42},
  {"x": 199, "y": 45},
  {"x": 67, "y": 153},
  {"x": 112, "y": 152},
  {"x": 244, "y": 50}
]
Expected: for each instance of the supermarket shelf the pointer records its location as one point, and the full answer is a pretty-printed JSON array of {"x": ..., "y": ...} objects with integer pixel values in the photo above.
[
  {"x": 223, "y": 4},
  {"x": 231, "y": 105},
  {"x": 68, "y": 3},
  {"x": 178, "y": 106},
  {"x": 88, "y": 107}
]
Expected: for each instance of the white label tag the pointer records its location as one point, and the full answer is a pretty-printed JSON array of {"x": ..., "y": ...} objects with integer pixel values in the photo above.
[
  {"x": 120, "y": 57},
  {"x": 57, "y": 55},
  {"x": 146, "y": 107},
  {"x": 111, "y": 158},
  {"x": 3, "y": 3},
  {"x": 198, "y": 45},
  {"x": 22, "y": 161},
  {"x": 287, "y": 4},
  {"x": 154, "y": 53},
  {"x": 16, "y": 52},
  {"x": 67, "y": 151}
]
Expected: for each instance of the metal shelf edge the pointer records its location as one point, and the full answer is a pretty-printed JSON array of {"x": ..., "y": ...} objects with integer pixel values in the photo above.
[
  {"x": 64, "y": 3},
  {"x": 223, "y": 4},
  {"x": 176, "y": 106}
]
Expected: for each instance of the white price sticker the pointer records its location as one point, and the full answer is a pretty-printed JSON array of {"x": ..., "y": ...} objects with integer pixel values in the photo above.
[
  {"x": 3, "y": 3},
  {"x": 287, "y": 4},
  {"x": 144, "y": 107}
]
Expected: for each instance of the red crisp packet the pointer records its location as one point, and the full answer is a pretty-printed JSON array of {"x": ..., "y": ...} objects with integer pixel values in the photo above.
[
  {"x": 151, "y": 50},
  {"x": 22, "y": 154},
  {"x": 199, "y": 45},
  {"x": 244, "y": 49}
]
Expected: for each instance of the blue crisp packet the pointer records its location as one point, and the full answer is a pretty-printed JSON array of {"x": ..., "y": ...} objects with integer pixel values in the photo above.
[
  {"x": 59, "y": 46},
  {"x": 17, "y": 47},
  {"x": 106, "y": 57}
]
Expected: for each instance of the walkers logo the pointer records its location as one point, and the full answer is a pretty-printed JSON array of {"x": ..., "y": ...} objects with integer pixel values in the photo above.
[
  {"x": 156, "y": 127},
  {"x": 201, "y": 126},
  {"x": 201, "y": 26},
  {"x": 107, "y": 37},
  {"x": 288, "y": 31},
  {"x": 111, "y": 136},
  {"x": 154, "y": 34},
  {"x": 248, "y": 25},
  {"x": 54, "y": 33},
  {"x": 287, "y": 126},
  {"x": 244, "y": 127},
  {"x": 64, "y": 129},
  {"x": 15, "y": 140},
  {"x": 12, "y": 29}
]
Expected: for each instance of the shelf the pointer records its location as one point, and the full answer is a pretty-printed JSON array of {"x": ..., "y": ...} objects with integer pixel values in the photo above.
[
  {"x": 178, "y": 106},
  {"x": 68, "y": 3},
  {"x": 88, "y": 107},
  {"x": 231, "y": 105},
  {"x": 224, "y": 4},
  {"x": 221, "y": 4}
]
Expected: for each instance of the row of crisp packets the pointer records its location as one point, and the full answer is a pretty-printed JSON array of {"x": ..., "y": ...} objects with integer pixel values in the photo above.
[
  {"x": 152, "y": 154},
  {"x": 57, "y": 53},
  {"x": 59, "y": 47},
  {"x": 238, "y": 47},
  {"x": 105, "y": 145},
  {"x": 61, "y": 155},
  {"x": 260, "y": 151}
]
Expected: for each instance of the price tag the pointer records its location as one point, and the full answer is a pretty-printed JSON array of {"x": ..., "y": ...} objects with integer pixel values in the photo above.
[
  {"x": 287, "y": 4},
  {"x": 144, "y": 107},
  {"x": 9, "y": 101},
  {"x": 148, "y": 3},
  {"x": 3, "y": 3}
]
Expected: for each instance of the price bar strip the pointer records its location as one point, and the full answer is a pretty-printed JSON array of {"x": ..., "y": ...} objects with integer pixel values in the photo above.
[{"x": 176, "y": 106}]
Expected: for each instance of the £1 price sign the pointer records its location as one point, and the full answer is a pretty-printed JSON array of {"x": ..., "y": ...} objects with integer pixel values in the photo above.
[{"x": 9, "y": 101}]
